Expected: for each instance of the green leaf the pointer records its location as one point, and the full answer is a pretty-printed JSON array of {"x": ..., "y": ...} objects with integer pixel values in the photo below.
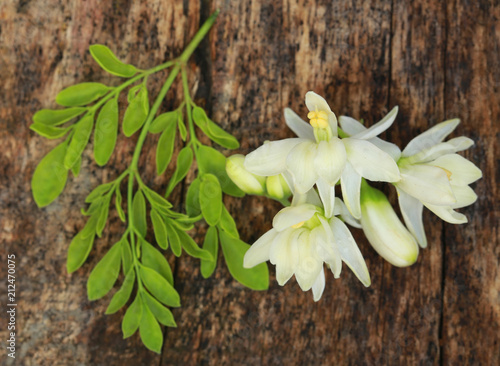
[
  {"x": 213, "y": 162},
  {"x": 165, "y": 149},
  {"x": 160, "y": 287},
  {"x": 49, "y": 132},
  {"x": 136, "y": 113},
  {"x": 139, "y": 213},
  {"x": 152, "y": 258},
  {"x": 127, "y": 260},
  {"x": 211, "y": 245},
  {"x": 173, "y": 236},
  {"x": 213, "y": 131},
  {"x": 81, "y": 94},
  {"x": 164, "y": 120},
  {"x": 79, "y": 141},
  {"x": 184, "y": 161},
  {"x": 118, "y": 204},
  {"x": 256, "y": 278},
  {"x": 98, "y": 191},
  {"x": 227, "y": 223},
  {"x": 162, "y": 314},
  {"x": 121, "y": 297},
  {"x": 75, "y": 169},
  {"x": 109, "y": 62},
  {"x": 183, "y": 225},
  {"x": 193, "y": 198},
  {"x": 210, "y": 199},
  {"x": 160, "y": 229},
  {"x": 150, "y": 331},
  {"x": 55, "y": 117},
  {"x": 90, "y": 227},
  {"x": 182, "y": 128},
  {"x": 103, "y": 217},
  {"x": 106, "y": 131},
  {"x": 191, "y": 247},
  {"x": 155, "y": 199},
  {"x": 50, "y": 176},
  {"x": 132, "y": 318},
  {"x": 78, "y": 251},
  {"x": 105, "y": 273}
]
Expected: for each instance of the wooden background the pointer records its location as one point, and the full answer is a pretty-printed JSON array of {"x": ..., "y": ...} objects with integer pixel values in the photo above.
[{"x": 435, "y": 59}]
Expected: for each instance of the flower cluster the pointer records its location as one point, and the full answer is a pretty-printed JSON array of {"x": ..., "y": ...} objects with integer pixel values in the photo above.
[{"x": 311, "y": 230}]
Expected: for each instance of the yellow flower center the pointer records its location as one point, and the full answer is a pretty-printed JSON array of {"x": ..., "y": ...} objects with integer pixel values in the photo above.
[
  {"x": 448, "y": 173},
  {"x": 296, "y": 226},
  {"x": 318, "y": 119}
]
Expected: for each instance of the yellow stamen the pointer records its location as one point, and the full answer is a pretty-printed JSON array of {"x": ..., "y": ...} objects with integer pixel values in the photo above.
[
  {"x": 318, "y": 119},
  {"x": 296, "y": 226}
]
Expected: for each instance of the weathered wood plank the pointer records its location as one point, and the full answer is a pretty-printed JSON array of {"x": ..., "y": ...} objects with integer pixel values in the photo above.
[{"x": 471, "y": 322}]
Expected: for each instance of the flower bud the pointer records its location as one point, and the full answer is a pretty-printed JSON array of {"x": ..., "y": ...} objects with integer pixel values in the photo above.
[
  {"x": 246, "y": 181},
  {"x": 384, "y": 230},
  {"x": 277, "y": 187}
]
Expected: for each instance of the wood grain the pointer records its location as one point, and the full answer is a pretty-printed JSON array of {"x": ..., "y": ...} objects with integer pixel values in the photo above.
[{"x": 436, "y": 60}]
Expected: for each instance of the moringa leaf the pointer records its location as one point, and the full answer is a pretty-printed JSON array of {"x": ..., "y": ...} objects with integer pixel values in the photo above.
[
  {"x": 193, "y": 198},
  {"x": 173, "y": 236},
  {"x": 118, "y": 204},
  {"x": 160, "y": 287},
  {"x": 162, "y": 314},
  {"x": 105, "y": 273},
  {"x": 190, "y": 246},
  {"x": 55, "y": 117},
  {"x": 182, "y": 128},
  {"x": 256, "y": 278},
  {"x": 165, "y": 149},
  {"x": 126, "y": 252},
  {"x": 79, "y": 141},
  {"x": 150, "y": 331},
  {"x": 75, "y": 169},
  {"x": 160, "y": 229},
  {"x": 164, "y": 120},
  {"x": 81, "y": 94},
  {"x": 106, "y": 131},
  {"x": 184, "y": 161},
  {"x": 109, "y": 62},
  {"x": 121, "y": 297},
  {"x": 210, "y": 199},
  {"x": 132, "y": 317},
  {"x": 152, "y": 258},
  {"x": 78, "y": 251},
  {"x": 213, "y": 131},
  {"x": 50, "y": 176},
  {"x": 49, "y": 132},
  {"x": 136, "y": 113},
  {"x": 211, "y": 245},
  {"x": 227, "y": 223},
  {"x": 139, "y": 213}
]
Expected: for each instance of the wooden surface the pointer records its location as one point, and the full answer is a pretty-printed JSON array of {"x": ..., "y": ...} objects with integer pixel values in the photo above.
[{"x": 434, "y": 59}]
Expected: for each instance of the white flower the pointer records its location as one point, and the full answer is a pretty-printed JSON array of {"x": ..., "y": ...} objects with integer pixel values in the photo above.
[
  {"x": 383, "y": 229},
  {"x": 302, "y": 239},
  {"x": 319, "y": 157},
  {"x": 434, "y": 176}
]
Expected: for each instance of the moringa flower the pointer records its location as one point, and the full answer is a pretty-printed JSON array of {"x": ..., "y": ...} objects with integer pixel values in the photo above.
[
  {"x": 434, "y": 176},
  {"x": 384, "y": 230},
  {"x": 301, "y": 240},
  {"x": 319, "y": 157}
]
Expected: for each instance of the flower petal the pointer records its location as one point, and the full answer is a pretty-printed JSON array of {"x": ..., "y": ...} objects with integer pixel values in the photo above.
[
  {"x": 463, "y": 171},
  {"x": 378, "y": 127},
  {"x": 412, "y": 208},
  {"x": 319, "y": 285},
  {"x": 349, "y": 251},
  {"x": 293, "y": 215},
  {"x": 300, "y": 164},
  {"x": 298, "y": 125},
  {"x": 341, "y": 210},
  {"x": 259, "y": 251},
  {"x": 330, "y": 160},
  {"x": 430, "y": 137},
  {"x": 350, "y": 184},
  {"x": 315, "y": 102},
  {"x": 270, "y": 158},
  {"x": 327, "y": 247},
  {"x": 387, "y": 147},
  {"x": 465, "y": 196},
  {"x": 309, "y": 263},
  {"x": 327, "y": 194},
  {"x": 447, "y": 214},
  {"x": 427, "y": 184},
  {"x": 311, "y": 197},
  {"x": 284, "y": 254},
  {"x": 371, "y": 162},
  {"x": 443, "y": 148},
  {"x": 350, "y": 125}
]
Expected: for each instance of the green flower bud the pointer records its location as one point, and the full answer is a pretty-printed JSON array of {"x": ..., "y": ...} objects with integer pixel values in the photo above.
[
  {"x": 246, "y": 181},
  {"x": 277, "y": 187}
]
